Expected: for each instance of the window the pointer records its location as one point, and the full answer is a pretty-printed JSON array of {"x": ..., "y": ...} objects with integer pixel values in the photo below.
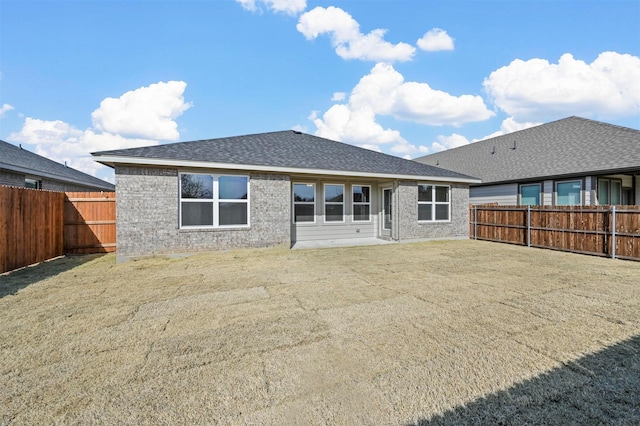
[
  {"x": 569, "y": 193},
  {"x": 333, "y": 203},
  {"x": 304, "y": 206},
  {"x": 212, "y": 201},
  {"x": 361, "y": 203},
  {"x": 434, "y": 203},
  {"x": 530, "y": 195},
  {"x": 609, "y": 191},
  {"x": 32, "y": 183}
]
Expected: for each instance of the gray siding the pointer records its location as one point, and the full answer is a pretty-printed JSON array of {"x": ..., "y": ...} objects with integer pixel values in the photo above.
[
  {"x": 148, "y": 211},
  {"x": 408, "y": 226},
  {"x": 321, "y": 230},
  {"x": 505, "y": 194},
  {"x": 8, "y": 178}
]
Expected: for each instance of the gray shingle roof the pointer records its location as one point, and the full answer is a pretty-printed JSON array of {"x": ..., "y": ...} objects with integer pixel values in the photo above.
[
  {"x": 23, "y": 161},
  {"x": 571, "y": 146},
  {"x": 287, "y": 149}
]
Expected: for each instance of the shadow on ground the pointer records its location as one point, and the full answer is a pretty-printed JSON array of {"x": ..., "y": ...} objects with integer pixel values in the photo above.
[
  {"x": 12, "y": 282},
  {"x": 600, "y": 388}
]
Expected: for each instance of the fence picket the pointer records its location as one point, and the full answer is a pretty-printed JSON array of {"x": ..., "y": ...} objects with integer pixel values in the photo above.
[
  {"x": 38, "y": 225},
  {"x": 612, "y": 231}
]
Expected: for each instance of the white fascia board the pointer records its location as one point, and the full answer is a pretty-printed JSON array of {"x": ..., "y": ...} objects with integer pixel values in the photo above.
[{"x": 111, "y": 160}]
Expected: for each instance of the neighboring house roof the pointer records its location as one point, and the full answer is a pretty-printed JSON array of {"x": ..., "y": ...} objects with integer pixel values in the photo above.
[
  {"x": 571, "y": 146},
  {"x": 19, "y": 160},
  {"x": 285, "y": 151}
]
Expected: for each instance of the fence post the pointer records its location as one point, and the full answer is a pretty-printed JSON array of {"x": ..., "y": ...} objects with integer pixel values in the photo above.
[
  {"x": 528, "y": 226},
  {"x": 475, "y": 222},
  {"x": 613, "y": 232}
]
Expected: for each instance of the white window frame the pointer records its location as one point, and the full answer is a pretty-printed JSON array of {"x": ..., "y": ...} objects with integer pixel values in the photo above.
[
  {"x": 313, "y": 203},
  {"x": 555, "y": 193},
  {"x": 333, "y": 203},
  {"x": 215, "y": 201},
  {"x": 354, "y": 203},
  {"x": 530, "y": 184},
  {"x": 433, "y": 203}
]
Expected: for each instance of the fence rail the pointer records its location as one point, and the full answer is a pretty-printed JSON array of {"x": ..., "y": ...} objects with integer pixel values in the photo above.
[
  {"x": 89, "y": 222},
  {"x": 31, "y": 226},
  {"x": 39, "y": 225},
  {"x": 609, "y": 231}
]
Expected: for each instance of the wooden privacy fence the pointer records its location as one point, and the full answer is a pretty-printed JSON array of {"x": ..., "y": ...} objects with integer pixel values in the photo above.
[
  {"x": 611, "y": 231},
  {"x": 89, "y": 222},
  {"x": 31, "y": 226},
  {"x": 39, "y": 225}
]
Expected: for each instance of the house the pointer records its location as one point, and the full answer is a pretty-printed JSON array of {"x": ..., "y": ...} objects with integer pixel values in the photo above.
[
  {"x": 573, "y": 161},
  {"x": 274, "y": 188},
  {"x": 22, "y": 168}
]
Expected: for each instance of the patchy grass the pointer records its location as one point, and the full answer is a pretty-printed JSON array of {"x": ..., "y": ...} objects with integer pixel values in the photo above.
[{"x": 427, "y": 333}]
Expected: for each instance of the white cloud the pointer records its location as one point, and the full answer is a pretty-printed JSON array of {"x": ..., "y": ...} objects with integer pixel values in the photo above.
[
  {"x": 408, "y": 149},
  {"x": 370, "y": 147},
  {"x": 536, "y": 89},
  {"x": 434, "y": 40},
  {"x": 62, "y": 142},
  {"x": 338, "y": 96},
  {"x": 147, "y": 112},
  {"x": 384, "y": 92},
  {"x": 42, "y": 132},
  {"x": 291, "y": 7},
  {"x": 356, "y": 126},
  {"x": 4, "y": 109},
  {"x": 347, "y": 39},
  {"x": 154, "y": 105},
  {"x": 509, "y": 125},
  {"x": 300, "y": 128},
  {"x": 447, "y": 142}
]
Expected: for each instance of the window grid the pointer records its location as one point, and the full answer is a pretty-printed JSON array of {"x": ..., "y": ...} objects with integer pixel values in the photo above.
[
  {"x": 363, "y": 205},
  {"x": 215, "y": 202},
  {"x": 431, "y": 205},
  {"x": 304, "y": 202},
  {"x": 334, "y": 204}
]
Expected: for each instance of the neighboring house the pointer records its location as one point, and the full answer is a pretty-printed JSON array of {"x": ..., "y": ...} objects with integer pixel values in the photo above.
[
  {"x": 273, "y": 188},
  {"x": 573, "y": 161},
  {"x": 22, "y": 168}
]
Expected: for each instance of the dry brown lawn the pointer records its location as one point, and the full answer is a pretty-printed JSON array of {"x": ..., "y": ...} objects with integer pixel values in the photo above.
[{"x": 457, "y": 332}]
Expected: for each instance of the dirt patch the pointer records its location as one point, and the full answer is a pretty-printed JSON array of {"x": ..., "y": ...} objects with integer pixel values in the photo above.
[{"x": 426, "y": 333}]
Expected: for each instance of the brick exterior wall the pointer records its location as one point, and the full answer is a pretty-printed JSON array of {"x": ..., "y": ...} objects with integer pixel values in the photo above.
[
  {"x": 8, "y": 178},
  {"x": 147, "y": 215},
  {"x": 407, "y": 214}
]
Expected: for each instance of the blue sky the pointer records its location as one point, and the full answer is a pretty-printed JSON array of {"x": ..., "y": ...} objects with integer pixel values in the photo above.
[{"x": 406, "y": 78}]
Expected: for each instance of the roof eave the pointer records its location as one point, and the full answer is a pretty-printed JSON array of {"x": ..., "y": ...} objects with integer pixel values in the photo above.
[
  {"x": 38, "y": 173},
  {"x": 611, "y": 171},
  {"x": 111, "y": 160}
]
